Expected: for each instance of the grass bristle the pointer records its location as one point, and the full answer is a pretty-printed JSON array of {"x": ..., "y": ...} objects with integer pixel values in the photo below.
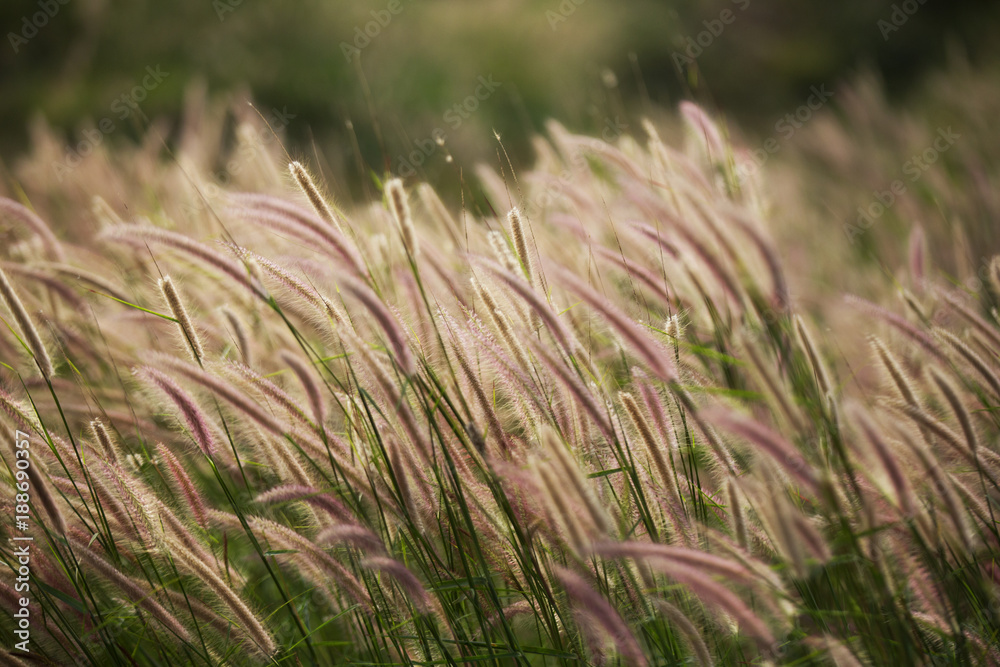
[{"x": 619, "y": 424}]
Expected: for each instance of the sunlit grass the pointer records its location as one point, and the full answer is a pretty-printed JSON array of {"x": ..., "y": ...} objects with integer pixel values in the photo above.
[{"x": 267, "y": 430}]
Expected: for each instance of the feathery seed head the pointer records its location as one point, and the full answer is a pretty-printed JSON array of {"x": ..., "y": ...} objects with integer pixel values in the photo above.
[
  {"x": 519, "y": 236},
  {"x": 401, "y": 212},
  {"x": 180, "y": 314},
  {"x": 501, "y": 251},
  {"x": 104, "y": 438},
  {"x": 27, "y": 325},
  {"x": 315, "y": 197}
]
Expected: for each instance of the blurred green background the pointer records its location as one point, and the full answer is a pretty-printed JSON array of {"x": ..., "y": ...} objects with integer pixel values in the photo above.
[{"x": 585, "y": 62}]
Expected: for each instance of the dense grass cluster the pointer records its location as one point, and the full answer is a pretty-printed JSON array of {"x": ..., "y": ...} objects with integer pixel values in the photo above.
[{"x": 592, "y": 427}]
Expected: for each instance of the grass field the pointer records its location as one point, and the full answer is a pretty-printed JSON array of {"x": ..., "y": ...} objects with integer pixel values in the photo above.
[{"x": 656, "y": 400}]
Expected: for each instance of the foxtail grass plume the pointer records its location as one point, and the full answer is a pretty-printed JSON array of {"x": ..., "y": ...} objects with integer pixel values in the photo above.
[
  {"x": 192, "y": 415},
  {"x": 885, "y": 455},
  {"x": 12, "y": 210},
  {"x": 768, "y": 441},
  {"x": 104, "y": 439},
  {"x": 441, "y": 456},
  {"x": 658, "y": 453},
  {"x": 248, "y": 621},
  {"x": 141, "y": 235},
  {"x": 705, "y": 129},
  {"x": 690, "y": 632},
  {"x": 432, "y": 202},
  {"x": 390, "y": 326},
  {"x": 501, "y": 251},
  {"x": 177, "y": 309},
  {"x": 305, "y": 375},
  {"x": 971, "y": 357},
  {"x": 317, "y": 200},
  {"x": 813, "y": 356},
  {"x": 240, "y": 334},
  {"x": 519, "y": 234},
  {"x": 588, "y": 603},
  {"x": 995, "y": 275},
  {"x": 184, "y": 484},
  {"x": 137, "y": 593},
  {"x": 24, "y": 322},
  {"x": 400, "y": 208}
]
